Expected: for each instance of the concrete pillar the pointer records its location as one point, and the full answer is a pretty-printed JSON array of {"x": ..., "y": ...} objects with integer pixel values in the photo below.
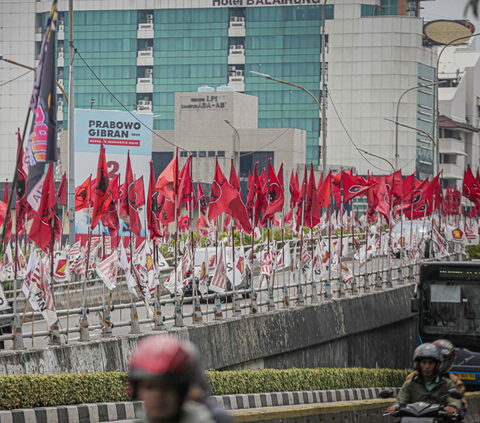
[
  {"x": 197, "y": 314},
  {"x": 84, "y": 329},
  {"x": 135, "y": 324},
  {"x": 55, "y": 334},
  {"x": 218, "y": 308},
  {"x": 159, "y": 325},
  {"x": 17, "y": 333},
  {"x": 178, "y": 313}
]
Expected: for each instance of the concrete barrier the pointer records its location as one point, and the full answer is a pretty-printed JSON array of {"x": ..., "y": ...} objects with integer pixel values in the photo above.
[{"x": 373, "y": 330}]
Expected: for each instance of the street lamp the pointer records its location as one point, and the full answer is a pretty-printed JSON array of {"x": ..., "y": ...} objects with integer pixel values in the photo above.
[
  {"x": 417, "y": 87},
  {"x": 236, "y": 151},
  {"x": 378, "y": 157},
  {"x": 22, "y": 65},
  {"x": 413, "y": 128},
  {"x": 324, "y": 146}
]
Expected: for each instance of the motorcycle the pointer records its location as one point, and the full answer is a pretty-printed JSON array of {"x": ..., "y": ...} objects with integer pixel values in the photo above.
[{"x": 421, "y": 412}]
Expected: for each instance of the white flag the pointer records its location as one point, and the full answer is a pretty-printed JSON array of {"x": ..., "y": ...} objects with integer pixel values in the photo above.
[{"x": 107, "y": 270}]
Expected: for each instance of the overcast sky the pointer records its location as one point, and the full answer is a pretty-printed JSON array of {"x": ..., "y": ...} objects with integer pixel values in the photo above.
[{"x": 447, "y": 9}]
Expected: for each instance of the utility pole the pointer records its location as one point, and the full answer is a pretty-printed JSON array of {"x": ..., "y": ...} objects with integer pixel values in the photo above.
[
  {"x": 324, "y": 94},
  {"x": 71, "y": 131}
]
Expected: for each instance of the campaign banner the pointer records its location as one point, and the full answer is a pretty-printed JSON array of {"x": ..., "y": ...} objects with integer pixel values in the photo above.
[{"x": 120, "y": 132}]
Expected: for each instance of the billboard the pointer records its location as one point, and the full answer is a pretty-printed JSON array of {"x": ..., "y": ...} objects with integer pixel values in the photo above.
[{"x": 119, "y": 132}]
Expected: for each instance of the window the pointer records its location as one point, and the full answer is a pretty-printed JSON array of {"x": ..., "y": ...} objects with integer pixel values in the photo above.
[
  {"x": 370, "y": 10},
  {"x": 221, "y": 153},
  {"x": 194, "y": 154},
  {"x": 202, "y": 154},
  {"x": 211, "y": 154},
  {"x": 183, "y": 153},
  {"x": 448, "y": 133}
]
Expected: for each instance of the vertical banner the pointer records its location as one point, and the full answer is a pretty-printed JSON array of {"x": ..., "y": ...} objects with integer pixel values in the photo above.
[{"x": 119, "y": 132}]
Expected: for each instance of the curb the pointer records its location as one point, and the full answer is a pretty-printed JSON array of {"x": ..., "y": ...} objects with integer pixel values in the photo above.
[
  {"x": 109, "y": 412},
  {"x": 279, "y": 399}
]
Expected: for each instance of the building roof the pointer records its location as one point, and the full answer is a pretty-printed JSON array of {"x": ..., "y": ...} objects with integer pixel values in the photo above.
[{"x": 446, "y": 122}]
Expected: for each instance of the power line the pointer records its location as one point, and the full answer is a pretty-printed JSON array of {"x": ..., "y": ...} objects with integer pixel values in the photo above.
[
  {"x": 121, "y": 104},
  {"x": 350, "y": 138},
  {"x": 14, "y": 79}
]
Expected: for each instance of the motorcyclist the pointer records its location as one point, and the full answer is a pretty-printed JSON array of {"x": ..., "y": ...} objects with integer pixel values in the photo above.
[
  {"x": 428, "y": 385},
  {"x": 161, "y": 373},
  {"x": 448, "y": 352}
]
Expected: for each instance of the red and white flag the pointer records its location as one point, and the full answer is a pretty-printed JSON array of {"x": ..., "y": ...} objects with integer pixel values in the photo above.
[
  {"x": 219, "y": 281},
  {"x": 107, "y": 270}
]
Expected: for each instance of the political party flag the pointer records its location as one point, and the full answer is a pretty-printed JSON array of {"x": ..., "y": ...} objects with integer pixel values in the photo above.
[
  {"x": 42, "y": 142},
  {"x": 102, "y": 196},
  {"x": 62, "y": 190}
]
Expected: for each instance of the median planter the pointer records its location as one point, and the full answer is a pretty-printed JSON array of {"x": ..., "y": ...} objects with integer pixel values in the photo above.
[{"x": 29, "y": 391}]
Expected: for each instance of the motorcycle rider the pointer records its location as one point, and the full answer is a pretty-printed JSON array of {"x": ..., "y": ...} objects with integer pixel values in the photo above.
[
  {"x": 161, "y": 373},
  {"x": 448, "y": 352},
  {"x": 428, "y": 385}
]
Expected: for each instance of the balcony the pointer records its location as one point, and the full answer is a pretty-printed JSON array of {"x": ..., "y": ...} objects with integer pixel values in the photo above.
[
  {"x": 39, "y": 34},
  {"x": 145, "y": 57},
  {"x": 452, "y": 146},
  {"x": 452, "y": 171},
  {"x": 236, "y": 27},
  {"x": 145, "y": 84},
  {"x": 61, "y": 31},
  {"x": 144, "y": 106},
  {"x": 60, "y": 58},
  {"x": 59, "y": 114},
  {"x": 236, "y": 80},
  {"x": 236, "y": 55},
  {"x": 145, "y": 30},
  {"x": 60, "y": 81}
]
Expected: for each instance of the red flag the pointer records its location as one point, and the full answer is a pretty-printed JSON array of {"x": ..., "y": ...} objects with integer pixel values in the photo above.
[
  {"x": 234, "y": 181},
  {"x": 153, "y": 221},
  {"x": 294, "y": 190},
  {"x": 110, "y": 218},
  {"x": 83, "y": 195},
  {"x": 384, "y": 200},
  {"x": 103, "y": 194},
  {"x": 312, "y": 212},
  {"x": 23, "y": 207},
  {"x": 275, "y": 195},
  {"x": 301, "y": 199},
  {"x": 131, "y": 195},
  {"x": 122, "y": 200},
  {"x": 41, "y": 230},
  {"x": 3, "y": 212},
  {"x": 408, "y": 184},
  {"x": 8, "y": 223},
  {"x": 183, "y": 223},
  {"x": 140, "y": 192},
  {"x": 280, "y": 177},
  {"x": 394, "y": 180},
  {"x": 186, "y": 194},
  {"x": 255, "y": 189},
  {"x": 419, "y": 202},
  {"x": 62, "y": 190},
  {"x": 471, "y": 189},
  {"x": 352, "y": 186},
  {"x": 222, "y": 194},
  {"x": 167, "y": 182},
  {"x": 324, "y": 191},
  {"x": 166, "y": 209},
  {"x": 201, "y": 199}
]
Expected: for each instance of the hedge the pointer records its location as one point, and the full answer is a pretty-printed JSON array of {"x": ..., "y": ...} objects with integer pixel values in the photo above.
[{"x": 32, "y": 390}]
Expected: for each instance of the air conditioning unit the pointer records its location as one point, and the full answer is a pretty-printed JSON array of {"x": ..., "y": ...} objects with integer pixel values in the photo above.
[
  {"x": 147, "y": 103},
  {"x": 239, "y": 73},
  {"x": 150, "y": 48},
  {"x": 231, "y": 73},
  {"x": 232, "y": 47},
  {"x": 61, "y": 28},
  {"x": 141, "y": 102},
  {"x": 241, "y": 19},
  {"x": 60, "y": 103},
  {"x": 233, "y": 19},
  {"x": 60, "y": 55},
  {"x": 240, "y": 47},
  {"x": 60, "y": 81},
  {"x": 59, "y": 136},
  {"x": 148, "y": 72},
  {"x": 232, "y": 68},
  {"x": 149, "y": 18},
  {"x": 60, "y": 49}
]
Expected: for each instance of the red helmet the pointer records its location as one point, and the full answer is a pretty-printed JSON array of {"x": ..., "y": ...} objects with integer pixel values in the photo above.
[{"x": 161, "y": 356}]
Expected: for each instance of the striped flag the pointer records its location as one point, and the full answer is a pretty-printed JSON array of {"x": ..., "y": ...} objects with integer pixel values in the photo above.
[
  {"x": 267, "y": 265},
  {"x": 219, "y": 281},
  {"x": 43, "y": 294},
  {"x": 107, "y": 270},
  {"x": 74, "y": 251}
]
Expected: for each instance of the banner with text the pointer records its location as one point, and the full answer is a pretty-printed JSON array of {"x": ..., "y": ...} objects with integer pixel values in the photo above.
[{"x": 119, "y": 132}]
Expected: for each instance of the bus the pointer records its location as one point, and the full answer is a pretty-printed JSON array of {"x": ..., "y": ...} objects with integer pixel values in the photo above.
[{"x": 448, "y": 302}]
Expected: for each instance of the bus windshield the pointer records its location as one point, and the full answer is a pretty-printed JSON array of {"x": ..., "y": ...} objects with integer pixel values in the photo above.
[{"x": 451, "y": 308}]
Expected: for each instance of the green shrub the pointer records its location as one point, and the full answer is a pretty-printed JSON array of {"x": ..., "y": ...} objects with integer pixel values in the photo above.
[
  {"x": 31, "y": 390},
  {"x": 270, "y": 380}
]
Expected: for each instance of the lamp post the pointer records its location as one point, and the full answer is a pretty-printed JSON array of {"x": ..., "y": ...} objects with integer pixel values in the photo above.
[
  {"x": 417, "y": 87},
  {"x": 324, "y": 94},
  {"x": 437, "y": 102},
  {"x": 324, "y": 148},
  {"x": 378, "y": 157},
  {"x": 236, "y": 151}
]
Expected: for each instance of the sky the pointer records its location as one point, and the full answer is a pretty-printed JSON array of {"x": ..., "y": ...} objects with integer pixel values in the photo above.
[{"x": 448, "y": 9}]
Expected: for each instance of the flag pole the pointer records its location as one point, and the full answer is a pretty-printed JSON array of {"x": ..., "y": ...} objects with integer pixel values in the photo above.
[
  {"x": 366, "y": 279},
  {"x": 286, "y": 302},
  {"x": 253, "y": 301},
  {"x": 341, "y": 288},
  {"x": 178, "y": 309},
  {"x": 300, "y": 300},
  {"x": 328, "y": 286}
]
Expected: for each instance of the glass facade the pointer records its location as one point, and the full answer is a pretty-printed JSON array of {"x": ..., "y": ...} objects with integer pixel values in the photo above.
[
  {"x": 386, "y": 8},
  {"x": 190, "y": 48},
  {"x": 425, "y": 121}
]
